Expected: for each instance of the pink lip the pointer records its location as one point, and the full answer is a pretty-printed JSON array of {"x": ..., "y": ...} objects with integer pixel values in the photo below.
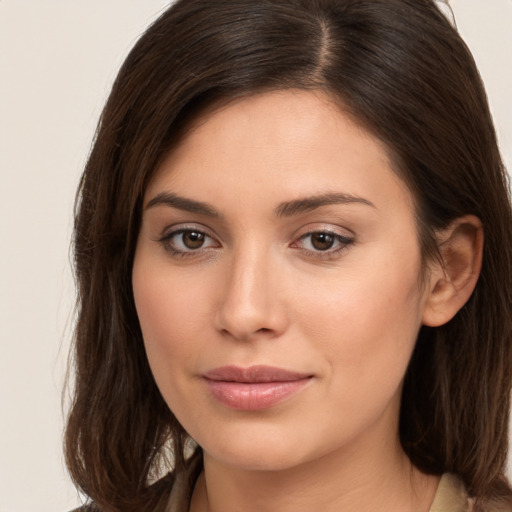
[{"x": 254, "y": 388}]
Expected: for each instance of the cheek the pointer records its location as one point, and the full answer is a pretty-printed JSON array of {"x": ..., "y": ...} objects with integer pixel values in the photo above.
[
  {"x": 169, "y": 315},
  {"x": 366, "y": 323}
]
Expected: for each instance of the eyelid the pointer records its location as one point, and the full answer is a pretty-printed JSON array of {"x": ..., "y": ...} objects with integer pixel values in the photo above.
[
  {"x": 324, "y": 228},
  {"x": 344, "y": 241},
  {"x": 174, "y": 230}
]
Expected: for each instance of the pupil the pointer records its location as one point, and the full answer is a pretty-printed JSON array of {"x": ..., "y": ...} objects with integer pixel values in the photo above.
[
  {"x": 193, "y": 240},
  {"x": 322, "y": 241}
]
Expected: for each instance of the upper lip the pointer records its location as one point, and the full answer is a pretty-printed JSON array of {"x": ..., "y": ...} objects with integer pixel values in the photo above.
[{"x": 258, "y": 373}]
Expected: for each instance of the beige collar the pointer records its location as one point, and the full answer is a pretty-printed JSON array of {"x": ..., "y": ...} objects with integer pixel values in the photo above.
[{"x": 450, "y": 496}]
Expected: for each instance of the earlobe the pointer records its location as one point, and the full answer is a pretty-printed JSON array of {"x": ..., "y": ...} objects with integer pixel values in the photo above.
[{"x": 453, "y": 279}]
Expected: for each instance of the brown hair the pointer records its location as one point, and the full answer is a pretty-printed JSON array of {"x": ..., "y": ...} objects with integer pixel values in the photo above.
[{"x": 400, "y": 69}]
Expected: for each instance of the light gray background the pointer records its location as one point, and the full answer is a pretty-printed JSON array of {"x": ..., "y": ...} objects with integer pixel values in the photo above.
[{"x": 57, "y": 61}]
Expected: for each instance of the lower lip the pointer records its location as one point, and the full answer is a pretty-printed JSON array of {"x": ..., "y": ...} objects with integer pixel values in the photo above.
[{"x": 254, "y": 396}]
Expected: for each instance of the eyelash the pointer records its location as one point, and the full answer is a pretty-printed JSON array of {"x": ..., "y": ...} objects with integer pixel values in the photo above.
[
  {"x": 166, "y": 241},
  {"x": 343, "y": 243}
]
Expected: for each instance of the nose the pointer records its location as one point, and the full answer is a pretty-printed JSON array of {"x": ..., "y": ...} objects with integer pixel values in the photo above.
[{"x": 251, "y": 301}]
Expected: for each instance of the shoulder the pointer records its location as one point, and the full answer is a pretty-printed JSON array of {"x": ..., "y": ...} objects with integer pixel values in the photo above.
[
  {"x": 171, "y": 492},
  {"x": 86, "y": 508},
  {"x": 452, "y": 496},
  {"x": 157, "y": 495},
  {"x": 500, "y": 505}
]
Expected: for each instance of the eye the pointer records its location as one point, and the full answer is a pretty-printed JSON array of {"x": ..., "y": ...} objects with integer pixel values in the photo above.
[
  {"x": 322, "y": 241},
  {"x": 185, "y": 241},
  {"x": 326, "y": 242}
]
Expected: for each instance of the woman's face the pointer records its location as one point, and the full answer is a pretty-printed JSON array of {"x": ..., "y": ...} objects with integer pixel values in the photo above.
[{"x": 277, "y": 282}]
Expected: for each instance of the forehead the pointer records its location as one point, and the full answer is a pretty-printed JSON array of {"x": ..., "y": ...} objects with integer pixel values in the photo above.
[{"x": 290, "y": 143}]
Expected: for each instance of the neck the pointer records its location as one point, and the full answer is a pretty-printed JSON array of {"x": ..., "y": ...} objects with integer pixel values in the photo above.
[{"x": 378, "y": 476}]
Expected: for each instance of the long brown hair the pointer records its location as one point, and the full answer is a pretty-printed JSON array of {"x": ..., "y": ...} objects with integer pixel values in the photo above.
[{"x": 401, "y": 69}]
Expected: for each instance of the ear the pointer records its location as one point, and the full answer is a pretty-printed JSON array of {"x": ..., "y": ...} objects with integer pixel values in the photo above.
[{"x": 452, "y": 280}]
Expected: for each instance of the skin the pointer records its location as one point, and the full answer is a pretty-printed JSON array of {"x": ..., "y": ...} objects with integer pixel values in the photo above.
[{"x": 258, "y": 291}]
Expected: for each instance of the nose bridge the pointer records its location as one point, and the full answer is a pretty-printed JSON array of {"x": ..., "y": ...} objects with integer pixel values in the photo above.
[{"x": 250, "y": 301}]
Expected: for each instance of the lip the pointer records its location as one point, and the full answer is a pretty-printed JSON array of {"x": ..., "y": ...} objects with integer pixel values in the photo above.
[{"x": 254, "y": 388}]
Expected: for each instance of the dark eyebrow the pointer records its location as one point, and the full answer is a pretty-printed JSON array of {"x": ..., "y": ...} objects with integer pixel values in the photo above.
[
  {"x": 307, "y": 204},
  {"x": 182, "y": 203},
  {"x": 286, "y": 209}
]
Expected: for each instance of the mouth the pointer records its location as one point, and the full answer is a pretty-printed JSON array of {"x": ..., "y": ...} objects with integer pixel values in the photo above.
[{"x": 254, "y": 388}]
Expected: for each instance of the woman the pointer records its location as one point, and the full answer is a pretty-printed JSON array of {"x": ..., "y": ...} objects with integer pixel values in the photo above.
[{"x": 280, "y": 254}]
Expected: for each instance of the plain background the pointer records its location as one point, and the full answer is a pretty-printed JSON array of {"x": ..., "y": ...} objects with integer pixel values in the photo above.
[{"x": 57, "y": 61}]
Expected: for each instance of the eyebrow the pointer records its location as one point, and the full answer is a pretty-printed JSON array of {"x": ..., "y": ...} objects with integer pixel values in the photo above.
[
  {"x": 285, "y": 209},
  {"x": 307, "y": 204},
  {"x": 182, "y": 203}
]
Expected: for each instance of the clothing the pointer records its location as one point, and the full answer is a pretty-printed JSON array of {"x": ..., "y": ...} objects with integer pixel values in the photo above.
[{"x": 450, "y": 495}]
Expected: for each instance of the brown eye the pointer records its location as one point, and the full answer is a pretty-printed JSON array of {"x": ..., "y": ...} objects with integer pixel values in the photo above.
[
  {"x": 326, "y": 244},
  {"x": 192, "y": 239},
  {"x": 322, "y": 241},
  {"x": 188, "y": 242}
]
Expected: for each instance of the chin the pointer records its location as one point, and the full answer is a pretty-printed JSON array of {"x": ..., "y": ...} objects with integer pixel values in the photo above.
[
  {"x": 258, "y": 452},
  {"x": 255, "y": 460}
]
